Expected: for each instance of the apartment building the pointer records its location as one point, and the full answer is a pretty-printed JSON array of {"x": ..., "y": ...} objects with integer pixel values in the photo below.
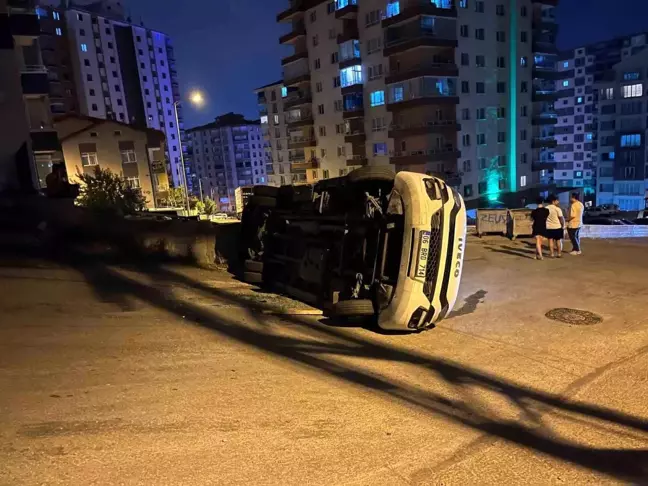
[
  {"x": 576, "y": 133},
  {"x": 28, "y": 142},
  {"x": 622, "y": 165},
  {"x": 460, "y": 89},
  {"x": 271, "y": 99},
  {"x": 136, "y": 154},
  {"x": 102, "y": 65},
  {"x": 226, "y": 154}
]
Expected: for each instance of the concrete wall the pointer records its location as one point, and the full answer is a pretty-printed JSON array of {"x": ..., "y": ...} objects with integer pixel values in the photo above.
[{"x": 626, "y": 231}]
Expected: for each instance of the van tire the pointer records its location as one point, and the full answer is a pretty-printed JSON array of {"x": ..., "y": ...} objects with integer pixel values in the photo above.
[
  {"x": 252, "y": 278},
  {"x": 253, "y": 266},
  {"x": 354, "y": 308},
  {"x": 372, "y": 174},
  {"x": 265, "y": 191},
  {"x": 263, "y": 201}
]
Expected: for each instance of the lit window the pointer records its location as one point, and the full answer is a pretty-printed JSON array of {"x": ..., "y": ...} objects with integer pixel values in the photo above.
[
  {"x": 89, "y": 158},
  {"x": 59, "y": 31},
  {"x": 56, "y": 16},
  {"x": 612, "y": 155},
  {"x": 393, "y": 8},
  {"x": 633, "y": 91},
  {"x": 633, "y": 140},
  {"x": 380, "y": 149},
  {"x": 377, "y": 98},
  {"x": 397, "y": 94},
  {"x": 630, "y": 76},
  {"x": 284, "y": 91},
  {"x": 264, "y": 119},
  {"x": 566, "y": 64},
  {"x": 523, "y": 181},
  {"x": 133, "y": 182},
  {"x": 566, "y": 83},
  {"x": 351, "y": 75},
  {"x": 84, "y": 47},
  {"x": 128, "y": 156}
]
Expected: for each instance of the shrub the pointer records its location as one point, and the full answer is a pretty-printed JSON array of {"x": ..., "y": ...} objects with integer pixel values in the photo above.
[{"x": 106, "y": 192}]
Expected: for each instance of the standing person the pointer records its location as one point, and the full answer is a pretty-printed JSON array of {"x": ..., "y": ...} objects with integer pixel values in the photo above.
[
  {"x": 555, "y": 226},
  {"x": 539, "y": 216},
  {"x": 575, "y": 222}
]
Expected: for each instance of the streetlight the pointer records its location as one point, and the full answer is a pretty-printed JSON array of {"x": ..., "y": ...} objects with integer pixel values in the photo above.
[{"x": 197, "y": 99}]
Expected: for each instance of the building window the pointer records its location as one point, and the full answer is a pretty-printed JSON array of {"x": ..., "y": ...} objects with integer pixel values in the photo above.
[
  {"x": 393, "y": 8},
  {"x": 317, "y": 64},
  {"x": 500, "y": 36},
  {"x": 630, "y": 76},
  {"x": 463, "y": 31},
  {"x": 128, "y": 156},
  {"x": 480, "y": 87},
  {"x": 468, "y": 190},
  {"x": 501, "y": 87},
  {"x": 465, "y": 114},
  {"x": 56, "y": 16},
  {"x": 336, "y": 82},
  {"x": 480, "y": 61},
  {"x": 633, "y": 140},
  {"x": 86, "y": 62},
  {"x": 523, "y": 36},
  {"x": 377, "y": 98},
  {"x": 465, "y": 87},
  {"x": 467, "y": 166},
  {"x": 84, "y": 47},
  {"x": 523, "y": 181},
  {"x": 501, "y": 137},
  {"x": 79, "y": 17},
  {"x": 315, "y": 40},
  {"x": 501, "y": 62},
  {"x": 466, "y": 140},
  {"x": 320, "y": 109},
  {"x": 523, "y": 61},
  {"x": 89, "y": 77},
  {"x": 89, "y": 159},
  {"x": 322, "y": 131},
  {"x": 481, "y": 113},
  {"x": 351, "y": 75},
  {"x": 499, "y": 10},
  {"x": 58, "y": 31},
  {"x": 92, "y": 92},
  {"x": 481, "y": 139},
  {"x": 380, "y": 148},
  {"x": 480, "y": 34},
  {"x": 479, "y": 6},
  {"x": 633, "y": 91},
  {"x": 465, "y": 59},
  {"x": 133, "y": 182}
]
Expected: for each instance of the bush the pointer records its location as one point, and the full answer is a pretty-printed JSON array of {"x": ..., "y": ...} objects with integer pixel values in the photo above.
[
  {"x": 210, "y": 206},
  {"x": 200, "y": 207},
  {"x": 105, "y": 192}
]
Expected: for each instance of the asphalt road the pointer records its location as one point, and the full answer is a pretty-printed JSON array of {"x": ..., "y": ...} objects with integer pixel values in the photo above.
[{"x": 121, "y": 375}]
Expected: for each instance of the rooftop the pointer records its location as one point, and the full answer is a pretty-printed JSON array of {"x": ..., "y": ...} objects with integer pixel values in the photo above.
[{"x": 227, "y": 120}]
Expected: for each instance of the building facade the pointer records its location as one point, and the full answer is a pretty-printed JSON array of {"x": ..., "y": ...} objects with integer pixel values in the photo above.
[
  {"x": 134, "y": 153},
  {"x": 28, "y": 141},
  {"x": 622, "y": 162},
  {"x": 422, "y": 86},
  {"x": 225, "y": 154},
  {"x": 102, "y": 65}
]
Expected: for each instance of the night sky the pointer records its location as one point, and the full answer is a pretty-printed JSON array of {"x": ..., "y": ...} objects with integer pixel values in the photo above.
[{"x": 230, "y": 47}]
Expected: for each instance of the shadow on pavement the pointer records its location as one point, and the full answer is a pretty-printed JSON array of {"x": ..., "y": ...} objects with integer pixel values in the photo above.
[{"x": 109, "y": 282}]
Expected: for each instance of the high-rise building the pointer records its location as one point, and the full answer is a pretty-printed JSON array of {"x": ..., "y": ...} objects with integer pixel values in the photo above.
[
  {"x": 102, "y": 65},
  {"x": 226, "y": 154},
  {"x": 586, "y": 75},
  {"x": 272, "y": 99},
  {"x": 622, "y": 160},
  {"x": 460, "y": 89},
  {"x": 27, "y": 137}
]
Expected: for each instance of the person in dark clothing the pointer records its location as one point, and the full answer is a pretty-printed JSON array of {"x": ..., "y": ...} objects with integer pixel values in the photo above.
[{"x": 539, "y": 216}]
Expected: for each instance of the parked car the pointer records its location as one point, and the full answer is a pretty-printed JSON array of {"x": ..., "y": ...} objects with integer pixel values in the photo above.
[
  {"x": 372, "y": 243},
  {"x": 605, "y": 221},
  {"x": 603, "y": 210}
]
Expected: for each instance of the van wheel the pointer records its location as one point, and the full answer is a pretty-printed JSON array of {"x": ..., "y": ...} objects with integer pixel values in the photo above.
[
  {"x": 372, "y": 174},
  {"x": 354, "y": 308},
  {"x": 252, "y": 277},
  {"x": 252, "y": 266}
]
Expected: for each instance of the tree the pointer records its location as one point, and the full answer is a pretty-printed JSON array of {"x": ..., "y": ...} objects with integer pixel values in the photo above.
[
  {"x": 109, "y": 193},
  {"x": 200, "y": 207},
  {"x": 175, "y": 197},
  {"x": 210, "y": 206}
]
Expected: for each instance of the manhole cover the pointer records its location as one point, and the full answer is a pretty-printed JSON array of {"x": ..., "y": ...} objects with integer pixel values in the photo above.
[{"x": 574, "y": 316}]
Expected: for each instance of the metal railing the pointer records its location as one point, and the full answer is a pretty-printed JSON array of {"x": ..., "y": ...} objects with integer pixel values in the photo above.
[
  {"x": 413, "y": 153},
  {"x": 422, "y": 66},
  {"x": 424, "y": 124}
]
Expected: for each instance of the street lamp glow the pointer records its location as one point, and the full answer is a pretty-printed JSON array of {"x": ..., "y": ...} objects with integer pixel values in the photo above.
[{"x": 196, "y": 98}]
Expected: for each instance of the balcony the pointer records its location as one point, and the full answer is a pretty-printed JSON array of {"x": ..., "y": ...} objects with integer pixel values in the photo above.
[
  {"x": 295, "y": 57},
  {"x": 540, "y": 166},
  {"x": 356, "y": 161},
  {"x": 423, "y": 8},
  {"x": 355, "y": 137},
  {"x": 544, "y": 47},
  {"x": 297, "y": 9},
  {"x": 303, "y": 166},
  {"x": 545, "y": 26},
  {"x": 346, "y": 9},
  {"x": 545, "y": 119},
  {"x": 416, "y": 37},
  {"x": 294, "y": 101},
  {"x": 548, "y": 3},
  {"x": 422, "y": 157},
  {"x": 158, "y": 167},
  {"x": 45, "y": 141},
  {"x": 299, "y": 121},
  {"x": 301, "y": 142},
  {"x": 24, "y": 24},
  {"x": 349, "y": 32},
  {"x": 421, "y": 128},
  {"x": 293, "y": 35},
  {"x": 543, "y": 96},
  {"x": 544, "y": 142},
  {"x": 550, "y": 74},
  {"x": 297, "y": 79},
  {"x": 448, "y": 68},
  {"x": 425, "y": 95},
  {"x": 34, "y": 81}
]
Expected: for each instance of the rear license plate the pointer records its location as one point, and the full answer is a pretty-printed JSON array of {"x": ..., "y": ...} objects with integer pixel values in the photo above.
[{"x": 423, "y": 254}]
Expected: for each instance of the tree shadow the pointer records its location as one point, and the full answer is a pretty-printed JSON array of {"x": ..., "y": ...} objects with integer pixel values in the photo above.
[
  {"x": 511, "y": 250},
  {"x": 322, "y": 344}
]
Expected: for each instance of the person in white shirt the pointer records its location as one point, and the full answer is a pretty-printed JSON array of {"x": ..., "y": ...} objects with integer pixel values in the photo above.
[
  {"x": 555, "y": 226},
  {"x": 575, "y": 222}
]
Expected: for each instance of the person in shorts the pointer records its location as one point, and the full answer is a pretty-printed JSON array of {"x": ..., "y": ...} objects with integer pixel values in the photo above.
[
  {"x": 539, "y": 216},
  {"x": 555, "y": 226},
  {"x": 575, "y": 223}
]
